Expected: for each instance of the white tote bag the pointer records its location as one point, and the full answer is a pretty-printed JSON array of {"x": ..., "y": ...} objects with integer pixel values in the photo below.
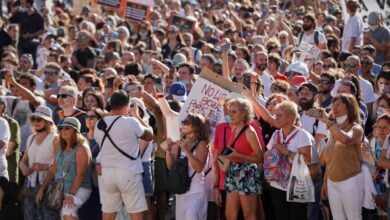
[{"x": 300, "y": 187}]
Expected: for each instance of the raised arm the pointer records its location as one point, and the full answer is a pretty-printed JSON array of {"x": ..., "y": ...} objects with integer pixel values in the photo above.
[{"x": 23, "y": 91}]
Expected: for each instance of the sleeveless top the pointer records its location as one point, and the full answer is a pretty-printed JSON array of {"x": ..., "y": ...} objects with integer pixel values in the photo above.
[
  {"x": 198, "y": 181},
  {"x": 342, "y": 160},
  {"x": 40, "y": 153},
  {"x": 62, "y": 161},
  {"x": 242, "y": 145}
]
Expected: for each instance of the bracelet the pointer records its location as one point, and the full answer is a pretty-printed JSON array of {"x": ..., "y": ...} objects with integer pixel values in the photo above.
[
  {"x": 216, "y": 187},
  {"x": 70, "y": 193},
  {"x": 330, "y": 124}
]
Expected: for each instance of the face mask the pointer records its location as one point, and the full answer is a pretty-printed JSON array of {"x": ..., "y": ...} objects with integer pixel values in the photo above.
[
  {"x": 227, "y": 118},
  {"x": 262, "y": 66},
  {"x": 374, "y": 27},
  {"x": 341, "y": 119},
  {"x": 186, "y": 82},
  {"x": 380, "y": 111}
]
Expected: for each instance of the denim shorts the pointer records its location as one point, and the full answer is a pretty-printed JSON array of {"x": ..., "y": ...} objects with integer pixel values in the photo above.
[
  {"x": 147, "y": 178},
  {"x": 243, "y": 178}
]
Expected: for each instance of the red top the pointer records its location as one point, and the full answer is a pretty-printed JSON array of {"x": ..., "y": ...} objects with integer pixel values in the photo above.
[{"x": 218, "y": 142}]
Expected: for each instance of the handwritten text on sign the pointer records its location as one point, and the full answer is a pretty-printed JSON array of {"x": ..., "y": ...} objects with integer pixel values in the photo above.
[{"x": 204, "y": 99}]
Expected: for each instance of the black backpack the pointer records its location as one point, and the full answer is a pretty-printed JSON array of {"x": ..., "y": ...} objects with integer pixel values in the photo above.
[{"x": 178, "y": 180}]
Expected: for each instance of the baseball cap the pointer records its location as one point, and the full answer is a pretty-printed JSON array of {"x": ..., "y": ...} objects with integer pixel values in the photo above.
[
  {"x": 178, "y": 91},
  {"x": 374, "y": 17},
  {"x": 309, "y": 86},
  {"x": 68, "y": 91},
  {"x": 299, "y": 67}
]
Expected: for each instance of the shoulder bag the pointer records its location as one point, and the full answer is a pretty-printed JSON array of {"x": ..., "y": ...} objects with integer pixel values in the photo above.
[
  {"x": 54, "y": 195},
  {"x": 30, "y": 192},
  {"x": 178, "y": 180}
]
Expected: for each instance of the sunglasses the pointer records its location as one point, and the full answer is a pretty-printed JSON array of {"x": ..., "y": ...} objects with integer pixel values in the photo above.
[
  {"x": 36, "y": 119},
  {"x": 349, "y": 65},
  {"x": 49, "y": 73},
  {"x": 63, "y": 96},
  {"x": 324, "y": 82},
  {"x": 327, "y": 66},
  {"x": 65, "y": 128},
  {"x": 91, "y": 116},
  {"x": 366, "y": 63},
  {"x": 171, "y": 32}
]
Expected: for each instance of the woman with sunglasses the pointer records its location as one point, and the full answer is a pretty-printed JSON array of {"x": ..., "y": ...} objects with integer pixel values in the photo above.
[
  {"x": 73, "y": 150},
  {"x": 194, "y": 145},
  {"x": 41, "y": 149},
  {"x": 92, "y": 207},
  {"x": 174, "y": 43}
]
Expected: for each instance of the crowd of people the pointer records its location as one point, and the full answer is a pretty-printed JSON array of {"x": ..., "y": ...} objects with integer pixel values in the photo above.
[{"x": 88, "y": 98}]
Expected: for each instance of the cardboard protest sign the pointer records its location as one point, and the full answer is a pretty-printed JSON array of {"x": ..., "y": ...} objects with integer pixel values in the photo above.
[
  {"x": 185, "y": 25},
  {"x": 136, "y": 11},
  {"x": 110, "y": 3},
  {"x": 205, "y": 95}
]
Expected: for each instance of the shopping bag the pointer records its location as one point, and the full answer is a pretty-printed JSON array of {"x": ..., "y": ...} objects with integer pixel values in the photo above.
[{"x": 300, "y": 186}]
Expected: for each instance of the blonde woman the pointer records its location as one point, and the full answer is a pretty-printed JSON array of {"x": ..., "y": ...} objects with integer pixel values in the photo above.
[{"x": 41, "y": 149}]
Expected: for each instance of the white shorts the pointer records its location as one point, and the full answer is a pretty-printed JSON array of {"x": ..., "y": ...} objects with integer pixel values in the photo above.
[
  {"x": 79, "y": 199},
  {"x": 121, "y": 186}
]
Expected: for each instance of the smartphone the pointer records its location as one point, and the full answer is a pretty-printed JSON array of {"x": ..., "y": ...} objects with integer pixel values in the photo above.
[
  {"x": 247, "y": 80},
  {"x": 159, "y": 87},
  {"x": 226, "y": 47},
  {"x": 315, "y": 113}
]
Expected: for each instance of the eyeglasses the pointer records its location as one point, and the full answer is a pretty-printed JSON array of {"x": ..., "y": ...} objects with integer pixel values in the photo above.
[
  {"x": 349, "y": 65},
  {"x": 91, "y": 117},
  {"x": 50, "y": 73},
  {"x": 63, "y": 96},
  {"x": 36, "y": 119},
  {"x": 324, "y": 82},
  {"x": 366, "y": 63}
]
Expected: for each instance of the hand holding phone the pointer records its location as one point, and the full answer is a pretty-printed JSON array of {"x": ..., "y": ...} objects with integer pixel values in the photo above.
[
  {"x": 314, "y": 112},
  {"x": 226, "y": 47}
]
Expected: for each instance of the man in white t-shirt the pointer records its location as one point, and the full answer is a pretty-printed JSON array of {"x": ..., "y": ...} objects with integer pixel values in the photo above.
[
  {"x": 260, "y": 68},
  {"x": 308, "y": 94},
  {"x": 121, "y": 174},
  {"x": 310, "y": 35}
]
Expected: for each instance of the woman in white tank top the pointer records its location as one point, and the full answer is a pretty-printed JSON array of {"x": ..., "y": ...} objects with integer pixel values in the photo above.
[{"x": 40, "y": 153}]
